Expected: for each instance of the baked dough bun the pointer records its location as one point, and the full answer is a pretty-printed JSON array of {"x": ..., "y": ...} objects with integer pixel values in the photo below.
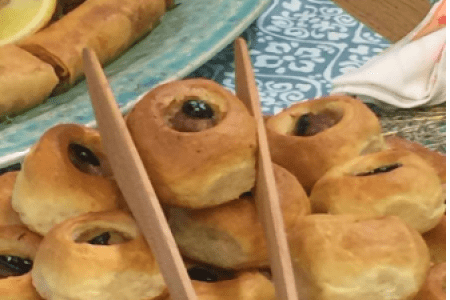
[
  {"x": 200, "y": 160},
  {"x": 310, "y": 137},
  {"x": 64, "y": 175},
  {"x": 245, "y": 285},
  {"x": 8, "y": 216},
  {"x": 18, "y": 247},
  {"x": 346, "y": 258},
  {"x": 231, "y": 235},
  {"x": 435, "y": 284},
  {"x": 436, "y": 159},
  {"x": 72, "y": 262},
  {"x": 436, "y": 241},
  {"x": 390, "y": 182}
]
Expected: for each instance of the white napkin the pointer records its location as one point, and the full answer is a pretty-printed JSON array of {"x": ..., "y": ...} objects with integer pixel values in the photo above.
[{"x": 410, "y": 73}]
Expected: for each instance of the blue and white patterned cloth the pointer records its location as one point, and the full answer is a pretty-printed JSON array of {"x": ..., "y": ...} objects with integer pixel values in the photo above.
[{"x": 297, "y": 48}]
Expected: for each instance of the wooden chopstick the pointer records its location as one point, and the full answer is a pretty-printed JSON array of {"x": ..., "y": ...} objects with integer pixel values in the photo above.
[
  {"x": 133, "y": 181},
  {"x": 266, "y": 196}
]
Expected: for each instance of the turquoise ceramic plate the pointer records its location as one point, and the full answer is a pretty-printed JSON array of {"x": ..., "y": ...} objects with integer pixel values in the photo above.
[{"x": 188, "y": 36}]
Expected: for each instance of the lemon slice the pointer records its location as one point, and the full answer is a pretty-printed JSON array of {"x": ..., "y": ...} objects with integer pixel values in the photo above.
[{"x": 20, "y": 18}]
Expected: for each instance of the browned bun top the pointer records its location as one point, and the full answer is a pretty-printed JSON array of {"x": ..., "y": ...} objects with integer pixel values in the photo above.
[
  {"x": 434, "y": 287},
  {"x": 310, "y": 137},
  {"x": 345, "y": 257},
  {"x": 18, "y": 248},
  {"x": 231, "y": 235},
  {"x": 209, "y": 166},
  {"x": 436, "y": 241},
  {"x": 436, "y": 159},
  {"x": 7, "y": 215},
  {"x": 390, "y": 182},
  {"x": 65, "y": 174},
  {"x": 99, "y": 255}
]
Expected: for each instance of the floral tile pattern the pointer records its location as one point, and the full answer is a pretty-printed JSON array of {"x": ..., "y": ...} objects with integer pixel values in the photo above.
[{"x": 297, "y": 48}]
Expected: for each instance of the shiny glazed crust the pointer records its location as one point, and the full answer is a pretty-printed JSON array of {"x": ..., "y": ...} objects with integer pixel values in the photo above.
[
  {"x": 7, "y": 215},
  {"x": 309, "y": 157},
  {"x": 50, "y": 189},
  {"x": 231, "y": 235},
  {"x": 246, "y": 286},
  {"x": 412, "y": 192},
  {"x": 346, "y": 258},
  {"x": 65, "y": 269},
  {"x": 434, "y": 287},
  {"x": 19, "y": 241},
  {"x": 195, "y": 169},
  {"x": 436, "y": 241}
]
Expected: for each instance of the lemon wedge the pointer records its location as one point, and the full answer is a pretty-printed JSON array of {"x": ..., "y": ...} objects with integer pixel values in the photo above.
[{"x": 20, "y": 18}]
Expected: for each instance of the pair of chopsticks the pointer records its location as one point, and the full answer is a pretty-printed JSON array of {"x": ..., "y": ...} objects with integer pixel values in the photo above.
[{"x": 142, "y": 200}]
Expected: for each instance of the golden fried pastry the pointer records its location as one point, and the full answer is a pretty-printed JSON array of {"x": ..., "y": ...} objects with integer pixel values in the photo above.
[
  {"x": 18, "y": 248},
  {"x": 98, "y": 255},
  {"x": 230, "y": 235},
  {"x": 64, "y": 175},
  {"x": 25, "y": 81},
  {"x": 108, "y": 27},
  {"x": 390, "y": 182},
  {"x": 343, "y": 257},
  {"x": 310, "y": 137},
  {"x": 7, "y": 215},
  {"x": 197, "y": 142}
]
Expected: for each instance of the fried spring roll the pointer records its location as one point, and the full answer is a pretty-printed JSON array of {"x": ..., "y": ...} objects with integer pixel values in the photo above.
[
  {"x": 25, "y": 81},
  {"x": 107, "y": 26}
]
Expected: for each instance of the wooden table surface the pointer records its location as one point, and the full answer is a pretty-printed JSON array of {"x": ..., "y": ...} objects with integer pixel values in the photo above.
[{"x": 393, "y": 19}]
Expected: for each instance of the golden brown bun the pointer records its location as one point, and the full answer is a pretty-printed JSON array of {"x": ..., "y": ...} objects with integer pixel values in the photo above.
[
  {"x": 50, "y": 188},
  {"x": 309, "y": 157},
  {"x": 412, "y": 191},
  {"x": 17, "y": 240},
  {"x": 67, "y": 267},
  {"x": 231, "y": 235},
  {"x": 434, "y": 287},
  {"x": 249, "y": 285},
  {"x": 346, "y": 258},
  {"x": 436, "y": 240},
  {"x": 436, "y": 159},
  {"x": 195, "y": 169},
  {"x": 7, "y": 215}
]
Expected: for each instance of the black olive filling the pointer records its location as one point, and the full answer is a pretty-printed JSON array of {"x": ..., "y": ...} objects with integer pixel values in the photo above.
[
  {"x": 11, "y": 265},
  {"x": 246, "y": 194},
  {"x": 103, "y": 237},
  {"x": 382, "y": 169},
  {"x": 197, "y": 109},
  {"x": 209, "y": 274},
  {"x": 84, "y": 159},
  {"x": 194, "y": 115},
  {"x": 311, "y": 124}
]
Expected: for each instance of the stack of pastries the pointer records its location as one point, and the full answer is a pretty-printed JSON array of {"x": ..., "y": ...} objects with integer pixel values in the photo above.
[{"x": 364, "y": 215}]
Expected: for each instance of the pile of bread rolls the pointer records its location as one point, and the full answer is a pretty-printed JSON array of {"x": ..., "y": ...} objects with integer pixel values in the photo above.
[{"x": 364, "y": 215}]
